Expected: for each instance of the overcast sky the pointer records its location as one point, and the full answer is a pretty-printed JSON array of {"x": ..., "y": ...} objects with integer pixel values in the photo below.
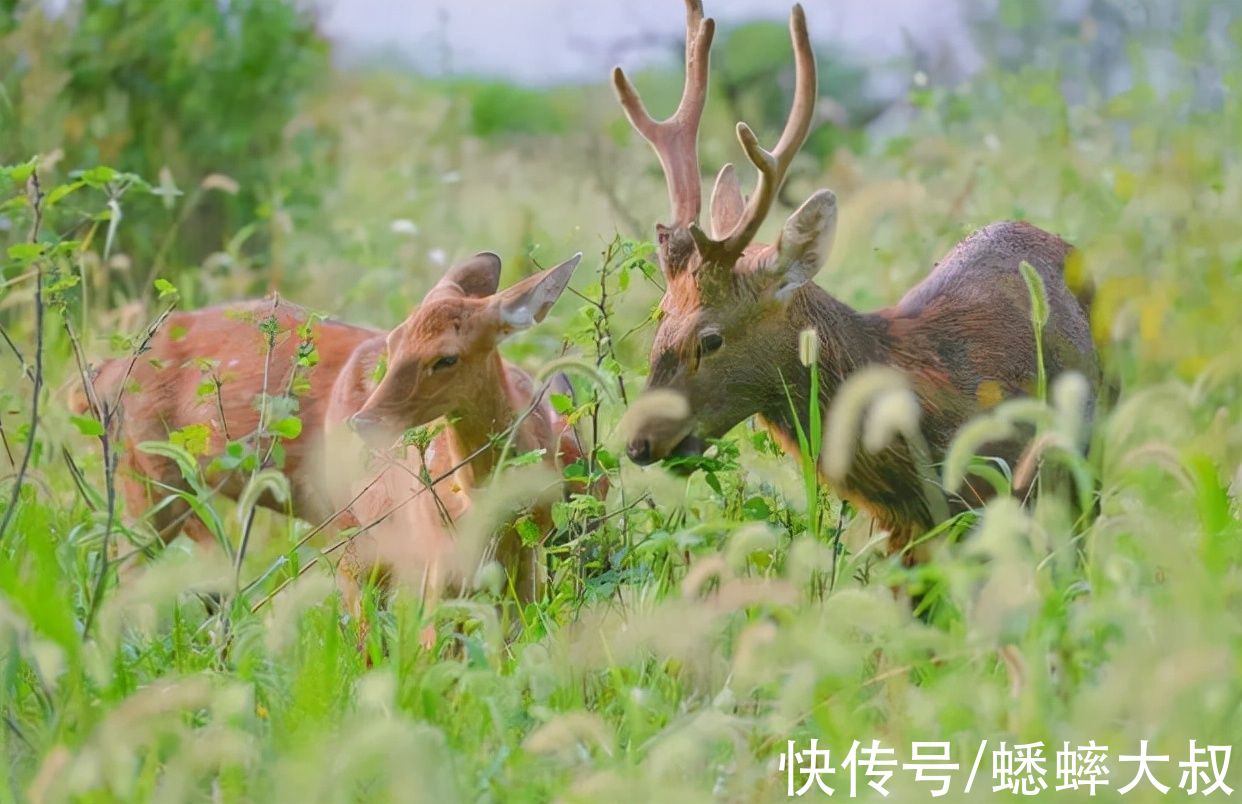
[{"x": 542, "y": 41}]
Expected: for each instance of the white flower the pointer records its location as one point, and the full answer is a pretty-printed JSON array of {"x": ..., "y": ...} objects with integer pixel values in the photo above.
[{"x": 403, "y": 226}]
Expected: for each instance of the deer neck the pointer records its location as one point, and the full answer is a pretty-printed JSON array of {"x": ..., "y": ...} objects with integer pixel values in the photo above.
[
  {"x": 846, "y": 341},
  {"x": 472, "y": 431}
]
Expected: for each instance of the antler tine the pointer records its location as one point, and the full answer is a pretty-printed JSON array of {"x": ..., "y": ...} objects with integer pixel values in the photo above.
[
  {"x": 676, "y": 139},
  {"x": 772, "y": 165},
  {"x": 694, "y": 17}
]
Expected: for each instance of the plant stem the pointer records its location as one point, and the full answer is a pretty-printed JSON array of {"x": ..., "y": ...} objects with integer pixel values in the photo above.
[{"x": 35, "y": 193}]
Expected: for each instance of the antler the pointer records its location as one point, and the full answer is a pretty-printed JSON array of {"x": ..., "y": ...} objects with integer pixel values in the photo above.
[
  {"x": 676, "y": 139},
  {"x": 772, "y": 165}
]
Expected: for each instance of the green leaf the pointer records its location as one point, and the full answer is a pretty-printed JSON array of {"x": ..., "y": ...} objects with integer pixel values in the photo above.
[
  {"x": 88, "y": 425},
  {"x": 288, "y": 427},
  {"x": 528, "y": 531},
  {"x": 25, "y": 253},
  {"x": 527, "y": 458},
  {"x": 193, "y": 438},
  {"x": 165, "y": 288},
  {"x": 19, "y": 174},
  {"x": 308, "y": 355},
  {"x": 98, "y": 176},
  {"x": 61, "y": 282},
  {"x": 607, "y": 459},
  {"x": 756, "y": 508},
  {"x": 60, "y": 191},
  {"x": 65, "y": 247},
  {"x": 561, "y": 403},
  {"x": 235, "y": 453}
]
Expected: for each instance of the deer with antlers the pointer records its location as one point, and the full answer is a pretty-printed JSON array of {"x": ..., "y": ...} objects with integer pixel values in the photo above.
[
  {"x": 440, "y": 362},
  {"x": 733, "y": 310}
]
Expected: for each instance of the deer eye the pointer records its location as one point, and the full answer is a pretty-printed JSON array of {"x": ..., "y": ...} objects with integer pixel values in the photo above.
[
  {"x": 710, "y": 342},
  {"x": 444, "y": 362}
]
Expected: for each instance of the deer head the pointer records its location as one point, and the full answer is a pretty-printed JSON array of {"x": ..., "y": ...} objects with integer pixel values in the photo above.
[
  {"x": 442, "y": 360},
  {"x": 724, "y": 296}
]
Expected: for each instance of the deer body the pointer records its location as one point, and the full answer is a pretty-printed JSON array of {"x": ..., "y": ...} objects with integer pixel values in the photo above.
[
  {"x": 441, "y": 361},
  {"x": 962, "y": 351},
  {"x": 225, "y": 343},
  {"x": 733, "y": 310}
]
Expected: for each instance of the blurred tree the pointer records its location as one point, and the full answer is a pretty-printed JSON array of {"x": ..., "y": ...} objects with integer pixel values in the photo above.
[
  {"x": 749, "y": 61},
  {"x": 1108, "y": 47},
  {"x": 500, "y": 108},
  {"x": 199, "y": 87}
]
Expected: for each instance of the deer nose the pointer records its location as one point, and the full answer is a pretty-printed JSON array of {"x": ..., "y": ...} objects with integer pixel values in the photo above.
[
  {"x": 362, "y": 421},
  {"x": 639, "y": 451},
  {"x": 366, "y": 425}
]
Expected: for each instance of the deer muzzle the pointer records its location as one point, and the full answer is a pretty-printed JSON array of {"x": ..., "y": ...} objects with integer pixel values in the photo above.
[
  {"x": 643, "y": 450},
  {"x": 371, "y": 429}
]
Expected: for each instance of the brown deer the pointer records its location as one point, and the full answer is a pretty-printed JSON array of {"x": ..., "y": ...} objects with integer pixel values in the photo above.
[
  {"x": 733, "y": 309},
  {"x": 449, "y": 367},
  {"x": 214, "y": 367}
]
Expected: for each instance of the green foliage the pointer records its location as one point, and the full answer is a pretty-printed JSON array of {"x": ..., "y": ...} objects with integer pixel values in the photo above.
[
  {"x": 499, "y": 108},
  {"x": 184, "y": 91},
  {"x": 753, "y": 59},
  {"x": 192, "y": 438}
]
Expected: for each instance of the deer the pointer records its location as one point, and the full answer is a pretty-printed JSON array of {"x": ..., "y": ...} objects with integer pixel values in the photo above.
[
  {"x": 441, "y": 361},
  {"x": 449, "y": 368},
  {"x": 727, "y": 343}
]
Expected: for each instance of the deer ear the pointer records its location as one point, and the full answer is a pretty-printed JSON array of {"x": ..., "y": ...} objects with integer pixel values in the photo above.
[
  {"x": 478, "y": 276},
  {"x": 804, "y": 244},
  {"x": 727, "y": 202},
  {"x": 528, "y": 301}
]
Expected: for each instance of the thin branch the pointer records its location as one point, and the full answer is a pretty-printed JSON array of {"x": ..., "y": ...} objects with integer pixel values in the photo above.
[
  {"x": 106, "y": 414},
  {"x": 270, "y": 340},
  {"x": 35, "y": 194},
  {"x": 8, "y": 451},
  {"x": 27, "y": 372}
]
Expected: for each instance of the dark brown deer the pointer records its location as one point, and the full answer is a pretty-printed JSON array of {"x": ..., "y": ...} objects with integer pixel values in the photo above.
[{"x": 733, "y": 310}]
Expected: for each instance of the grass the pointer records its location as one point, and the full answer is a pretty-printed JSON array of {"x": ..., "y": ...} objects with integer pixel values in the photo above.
[{"x": 694, "y": 632}]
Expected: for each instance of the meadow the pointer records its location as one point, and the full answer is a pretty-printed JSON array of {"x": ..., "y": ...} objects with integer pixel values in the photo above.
[{"x": 693, "y": 625}]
